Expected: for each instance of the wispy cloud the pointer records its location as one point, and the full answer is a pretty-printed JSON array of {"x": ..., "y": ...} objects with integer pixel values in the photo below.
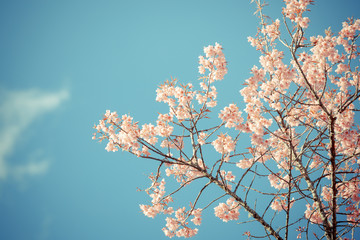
[
  {"x": 30, "y": 169},
  {"x": 18, "y": 109}
]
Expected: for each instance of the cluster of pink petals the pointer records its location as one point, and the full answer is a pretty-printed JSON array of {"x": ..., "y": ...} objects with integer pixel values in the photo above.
[
  {"x": 231, "y": 116},
  {"x": 349, "y": 140},
  {"x": 315, "y": 162},
  {"x": 279, "y": 182},
  {"x": 313, "y": 213},
  {"x": 202, "y": 138},
  {"x": 326, "y": 193},
  {"x": 197, "y": 216},
  {"x": 187, "y": 171},
  {"x": 250, "y": 91},
  {"x": 214, "y": 61},
  {"x": 325, "y": 53},
  {"x": 178, "y": 227},
  {"x": 163, "y": 127},
  {"x": 350, "y": 190},
  {"x": 228, "y": 178},
  {"x": 272, "y": 30},
  {"x": 280, "y": 148},
  {"x": 207, "y": 95},
  {"x": 259, "y": 43},
  {"x": 148, "y": 133},
  {"x": 121, "y": 133},
  {"x": 324, "y": 48},
  {"x": 245, "y": 163},
  {"x": 224, "y": 144},
  {"x": 281, "y": 204},
  {"x": 353, "y": 214},
  {"x": 178, "y": 98},
  {"x": 294, "y": 10},
  {"x": 174, "y": 143},
  {"x": 271, "y": 61},
  {"x": 228, "y": 211},
  {"x": 349, "y": 29},
  {"x": 159, "y": 202}
]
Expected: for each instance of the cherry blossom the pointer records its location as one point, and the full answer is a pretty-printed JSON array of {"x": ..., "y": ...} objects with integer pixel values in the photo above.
[{"x": 294, "y": 146}]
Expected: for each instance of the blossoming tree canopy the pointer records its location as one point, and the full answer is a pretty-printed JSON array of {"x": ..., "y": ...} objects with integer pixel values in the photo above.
[{"x": 303, "y": 159}]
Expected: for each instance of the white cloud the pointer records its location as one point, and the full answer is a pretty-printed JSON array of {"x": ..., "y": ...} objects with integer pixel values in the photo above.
[
  {"x": 30, "y": 169},
  {"x": 18, "y": 109}
]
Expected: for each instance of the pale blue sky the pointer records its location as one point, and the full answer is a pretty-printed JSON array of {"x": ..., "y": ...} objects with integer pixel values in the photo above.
[{"x": 63, "y": 63}]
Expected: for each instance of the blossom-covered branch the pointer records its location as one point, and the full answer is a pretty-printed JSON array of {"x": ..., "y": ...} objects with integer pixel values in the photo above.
[{"x": 304, "y": 143}]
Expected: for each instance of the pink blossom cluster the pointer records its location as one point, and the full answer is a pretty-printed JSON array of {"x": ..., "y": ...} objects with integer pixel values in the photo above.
[
  {"x": 349, "y": 29},
  {"x": 148, "y": 132},
  {"x": 272, "y": 30},
  {"x": 326, "y": 193},
  {"x": 175, "y": 143},
  {"x": 224, "y": 144},
  {"x": 214, "y": 61},
  {"x": 197, "y": 216},
  {"x": 228, "y": 211},
  {"x": 163, "y": 127},
  {"x": 184, "y": 171},
  {"x": 227, "y": 175},
  {"x": 353, "y": 214},
  {"x": 347, "y": 35},
  {"x": 250, "y": 91},
  {"x": 232, "y": 117},
  {"x": 280, "y": 149},
  {"x": 313, "y": 213},
  {"x": 350, "y": 190},
  {"x": 159, "y": 202},
  {"x": 258, "y": 42},
  {"x": 228, "y": 178},
  {"x": 281, "y": 204},
  {"x": 121, "y": 133},
  {"x": 202, "y": 138},
  {"x": 279, "y": 182},
  {"x": 178, "y": 98},
  {"x": 325, "y": 53},
  {"x": 324, "y": 48},
  {"x": 178, "y": 226},
  {"x": 294, "y": 11},
  {"x": 348, "y": 139},
  {"x": 316, "y": 162},
  {"x": 207, "y": 95},
  {"x": 245, "y": 163}
]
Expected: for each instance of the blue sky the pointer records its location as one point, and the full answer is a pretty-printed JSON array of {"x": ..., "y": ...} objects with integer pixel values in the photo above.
[{"x": 63, "y": 63}]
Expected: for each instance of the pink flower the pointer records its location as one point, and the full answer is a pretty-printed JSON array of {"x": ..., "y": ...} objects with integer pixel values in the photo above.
[
  {"x": 224, "y": 144},
  {"x": 272, "y": 30},
  {"x": 231, "y": 115},
  {"x": 313, "y": 213},
  {"x": 197, "y": 216},
  {"x": 277, "y": 182},
  {"x": 244, "y": 163},
  {"x": 214, "y": 61},
  {"x": 202, "y": 138},
  {"x": 228, "y": 211}
]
